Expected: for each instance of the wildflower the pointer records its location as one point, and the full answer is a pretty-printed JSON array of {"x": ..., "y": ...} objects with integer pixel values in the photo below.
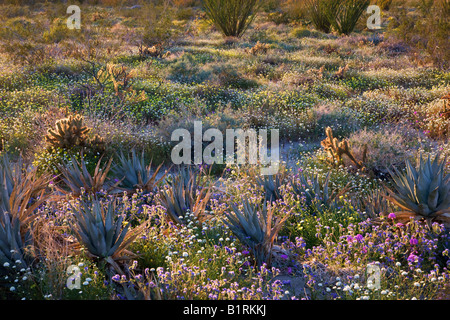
[
  {"x": 391, "y": 215},
  {"x": 6, "y": 264},
  {"x": 413, "y": 241},
  {"x": 413, "y": 258},
  {"x": 116, "y": 277},
  {"x": 12, "y": 289}
]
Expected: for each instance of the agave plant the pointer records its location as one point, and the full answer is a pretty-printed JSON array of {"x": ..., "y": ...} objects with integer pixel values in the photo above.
[
  {"x": 77, "y": 177},
  {"x": 255, "y": 228},
  {"x": 101, "y": 230},
  {"x": 135, "y": 174},
  {"x": 314, "y": 192},
  {"x": 9, "y": 174},
  {"x": 12, "y": 243},
  {"x": 272, "y": 186},
  {"x": 184, "y": 194},
  {"x": 374, "y": 204},
  {"x": 422, "y": 192},
  {"x": 22, "y": 191}
]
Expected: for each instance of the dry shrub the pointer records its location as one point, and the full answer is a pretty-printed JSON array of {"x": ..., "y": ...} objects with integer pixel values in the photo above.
[
  {"x": 259, "y": 48},
  {"x": 386, "y": 147},
  {"x": 54, "y": 251},
  {"x": 438, "y": 117}
]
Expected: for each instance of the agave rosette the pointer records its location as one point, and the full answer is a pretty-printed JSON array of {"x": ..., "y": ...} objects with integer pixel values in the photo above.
[
  {"x": 103, "y": 232},
  {"x": 256, "y": 228},
  {"x": 422, "y": 192},
  {"x": 135, "y": 174}
]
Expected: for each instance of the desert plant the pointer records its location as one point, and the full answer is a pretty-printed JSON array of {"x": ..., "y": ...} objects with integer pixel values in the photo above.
[
  {"x": 70, "y": 133},
  {"x": 22, "y": 191},
  {"x": 135, "y": 174},
  {"x": 101, "y": 230},
  {"x": 437, "y": 120},
  {"x": 184, "y": 194},
  {"x": 422, "y": 192},
  {"x": 321, "y": 12},
  {"x": 272, "y": 185},
  {"x": 77, "y": 178},
  {"x": 384, "y": 4},
  {"x": 336, "y": 149},
  {"x": 256, "y": 228},
  {"x": 374, "y": 204},
  {"x": 347, "y": 14},
  {"x": 259, "y": 48},
  {"x": 232, "y": 17},
  {"x": 12, "y": 244},
  {"x": 314, "y": 192},
  {"x": 9, "y": 174}
]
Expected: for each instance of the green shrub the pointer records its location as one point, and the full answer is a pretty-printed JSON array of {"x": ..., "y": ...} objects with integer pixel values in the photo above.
[
  {"x": 320, "y": 13},
  {"x": 232, "y": 17},
  {"x": 346, "y": 16},
  {"x": 341, "y": 15},
  {"x": 426, "y": 27}
]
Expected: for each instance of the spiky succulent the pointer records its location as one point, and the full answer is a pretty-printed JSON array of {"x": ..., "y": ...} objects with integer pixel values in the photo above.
[
  {"x": 422, "y": 192},
  {"x": 12, "y": 243},
  {"x": 272, "y": 186},
  {"x": 76, "y": 177},
  {"x": 68, "y": 132},
  {"x": 184, "y": 194},
  {"x": 314, "y": 192},
  {"x": 337, "y": 149},
  {"x": 135, "y": 174},
  {"x": 10, "y": 174},
  {"x": 101, "y": 230},
  {"x": 22, "y": 190},
  {"x": 255, "y": 227}
]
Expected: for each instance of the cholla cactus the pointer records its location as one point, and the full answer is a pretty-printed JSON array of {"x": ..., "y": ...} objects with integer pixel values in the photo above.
[
  {"x": 68, "y": 132},
  {"x": 422, "y": 192},
  {"x": 336, "y": 149}
]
